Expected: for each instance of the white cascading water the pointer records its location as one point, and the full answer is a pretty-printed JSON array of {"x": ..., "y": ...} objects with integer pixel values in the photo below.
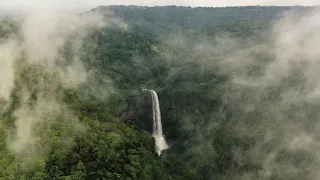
[{"x": 157, "y": 134}]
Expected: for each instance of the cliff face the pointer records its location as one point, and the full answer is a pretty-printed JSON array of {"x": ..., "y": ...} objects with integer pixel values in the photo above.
[{"x": 141, "y": 113}]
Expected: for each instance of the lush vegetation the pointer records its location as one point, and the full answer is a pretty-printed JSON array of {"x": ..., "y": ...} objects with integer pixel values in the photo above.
[{"x": 96, "y": 136}]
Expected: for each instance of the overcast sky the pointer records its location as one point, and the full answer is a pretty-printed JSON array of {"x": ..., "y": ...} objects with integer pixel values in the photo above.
[{"x": 88, "y": 4}]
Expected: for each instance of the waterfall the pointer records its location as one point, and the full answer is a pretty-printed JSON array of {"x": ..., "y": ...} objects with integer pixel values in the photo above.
[{"x": 157, "y": 133}]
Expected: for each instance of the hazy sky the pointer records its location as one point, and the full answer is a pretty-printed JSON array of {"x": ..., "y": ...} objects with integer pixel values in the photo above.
[{"x": 93, "y": 3}]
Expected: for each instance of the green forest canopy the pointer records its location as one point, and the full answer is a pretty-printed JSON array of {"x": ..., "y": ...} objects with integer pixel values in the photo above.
[{"x": 202, "y": 116}]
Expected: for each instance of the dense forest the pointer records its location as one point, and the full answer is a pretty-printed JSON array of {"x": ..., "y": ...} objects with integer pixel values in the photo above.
[{"x": 238, "y": 90}]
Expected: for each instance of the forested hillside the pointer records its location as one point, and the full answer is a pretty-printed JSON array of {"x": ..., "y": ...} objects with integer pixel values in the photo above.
[
  {"x": 240, "y": 21},
  {"x": 238, "y": 90}
]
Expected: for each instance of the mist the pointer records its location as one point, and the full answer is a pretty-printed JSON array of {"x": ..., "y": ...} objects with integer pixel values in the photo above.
[
  {"x": 258, "y": 95},
  {"x": 34, "y": 70},
  {"x": 269, "y": 116}
]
